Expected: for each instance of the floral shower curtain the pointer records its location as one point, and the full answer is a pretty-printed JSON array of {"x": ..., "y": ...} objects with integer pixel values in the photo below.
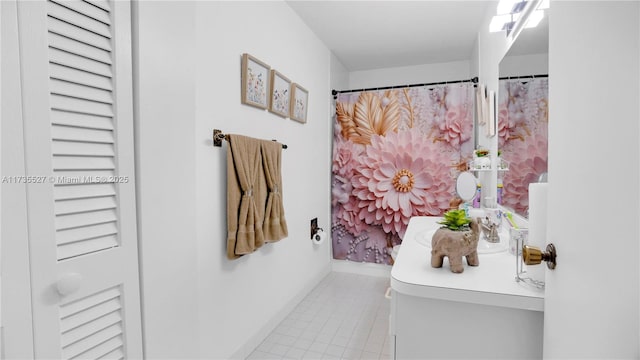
[
  {"x": 523, "y": 123},
  {"x": 396, "y": 155}
]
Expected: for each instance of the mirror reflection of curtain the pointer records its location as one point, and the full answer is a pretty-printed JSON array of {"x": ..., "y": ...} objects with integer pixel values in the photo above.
[
  {"x": 522, "y": 129},
  {"x": 396, "y": 154}
]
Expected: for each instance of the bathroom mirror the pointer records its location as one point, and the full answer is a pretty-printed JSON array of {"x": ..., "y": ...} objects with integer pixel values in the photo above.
[{"x": 523, "y": 115}]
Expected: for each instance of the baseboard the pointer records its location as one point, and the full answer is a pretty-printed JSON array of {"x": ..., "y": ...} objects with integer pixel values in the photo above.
[
  {"x": 246, "y": 349},
  {"x": 361, "y": 268}
]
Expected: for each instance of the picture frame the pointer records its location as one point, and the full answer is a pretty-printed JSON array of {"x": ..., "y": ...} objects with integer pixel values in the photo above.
[
  {"x": 255, "y": 82},
  {"x": 280, "y": 94},
  {"x": 299, "y": 103}
]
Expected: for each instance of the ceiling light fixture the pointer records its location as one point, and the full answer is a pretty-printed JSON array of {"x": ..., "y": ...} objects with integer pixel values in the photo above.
[
  {"x": 534, "y": 19},
  {"x": 544, "y": 5},
  {"x": 510, "y": 11},
  {"x": 499, "y": 22},
  {"x": 505, "y": 7}
]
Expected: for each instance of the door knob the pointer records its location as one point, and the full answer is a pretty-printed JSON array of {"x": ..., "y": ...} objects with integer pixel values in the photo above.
[
  {"x": 534, "y": 256},
  {"x": 68, "y": 283}
]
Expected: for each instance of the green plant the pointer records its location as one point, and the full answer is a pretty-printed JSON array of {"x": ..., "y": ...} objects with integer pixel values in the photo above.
[{"x": 455, "y": 220}]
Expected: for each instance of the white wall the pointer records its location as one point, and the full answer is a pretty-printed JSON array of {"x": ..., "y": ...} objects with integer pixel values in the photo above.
[
  {"x": 339, "y": 74},
  {"x": 407, "y": 75},
  {"x": 164, "y": 80},
  {"x": 198, "y": 304},
  {"x": 241, "y": 300},
  {"x": 522, "y": 65}
]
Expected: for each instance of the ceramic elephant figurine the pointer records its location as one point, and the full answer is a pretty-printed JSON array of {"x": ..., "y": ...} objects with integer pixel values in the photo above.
[{"x": 455, "y": 245}]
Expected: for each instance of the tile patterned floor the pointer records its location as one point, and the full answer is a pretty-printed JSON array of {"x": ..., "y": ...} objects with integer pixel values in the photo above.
[{"x": 345, "y": 317}]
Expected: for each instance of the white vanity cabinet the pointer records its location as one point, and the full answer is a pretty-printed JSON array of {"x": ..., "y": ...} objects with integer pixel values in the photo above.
[{"x": 480, "y": 313}]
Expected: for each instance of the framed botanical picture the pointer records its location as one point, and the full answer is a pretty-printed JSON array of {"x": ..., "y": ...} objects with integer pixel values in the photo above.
[
  {"x": 255, "y": 82},
  {"x": 280, "y": 90},
  {"x": 299, "y": 101}
]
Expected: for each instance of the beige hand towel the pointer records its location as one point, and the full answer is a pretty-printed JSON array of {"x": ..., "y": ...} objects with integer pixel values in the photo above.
[
  {"x": 246, "y": 196},
  {"x": 275, "y": 224}
]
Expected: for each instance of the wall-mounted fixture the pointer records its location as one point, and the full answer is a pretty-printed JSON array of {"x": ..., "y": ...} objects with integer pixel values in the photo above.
[
  {"x": 514, "y": 15},
  {"x": 218, "y": 136},
  {"x": 318, "y": 236},
  {"x": 314, "y": 227}
]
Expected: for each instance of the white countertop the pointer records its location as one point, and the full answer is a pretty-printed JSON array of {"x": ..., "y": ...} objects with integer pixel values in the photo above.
[{"x": 491, "y": 283}]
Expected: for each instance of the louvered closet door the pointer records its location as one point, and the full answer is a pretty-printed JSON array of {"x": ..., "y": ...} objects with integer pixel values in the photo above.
[{"x": 78, "y": 121}]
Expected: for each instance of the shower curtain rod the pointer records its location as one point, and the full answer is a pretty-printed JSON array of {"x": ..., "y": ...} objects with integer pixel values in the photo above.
[
  {"x": 336, "y": 92},
  {"x": 524, "y": 77}
]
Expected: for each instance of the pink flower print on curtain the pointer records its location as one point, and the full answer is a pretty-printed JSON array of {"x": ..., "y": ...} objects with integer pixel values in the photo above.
[
  {"x": 528, "y": 159},
  {"x": 445, "y": 114},
  {"x": 396, "y": 155},
  {"x": 523, "y": 121},
  {"x": 401, "y": 175},
  {"x": 456, "y": 128},
  {"x": 343, "y": 201}
]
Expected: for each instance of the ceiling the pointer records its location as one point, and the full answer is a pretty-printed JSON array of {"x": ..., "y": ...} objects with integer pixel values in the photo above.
[{"x": 371, "y": 34}]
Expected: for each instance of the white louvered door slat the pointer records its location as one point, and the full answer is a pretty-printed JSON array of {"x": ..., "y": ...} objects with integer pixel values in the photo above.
[
  {"x": 83, "y": 163},
  {"x": 79, "y": 333},
  {"x": 80, "y": 348},
  {"x": 81, "y": 305},
  {"x": 86, "y": 247},
  {"x": 79, "y": 34},
  {"x": 85, "y": 233},
  {"x": 104, "y": 348},
  {"x": 63, "y": 207},
  {"x": 79, "y": 76},
  {"x": 97, "y": 311},
  {"x": 85, "y": 106},
  {"x": 81, "y": 120},
  {"x": 60, "y": 42},
  {"x": 81, "y": 134},
  {"x": 86, "y": 9},
  {"x": 63, "y": 192},
  {"x": 79, "y": 148},
  {"x": 102, "y": 4},
  {"x": 85, "y": 219},
  {"x": 78, "y": 91},
  {"x": 74, "y": 61},
  {"x": 116, "y": 354},
  {"x": 76, "y": 71},
  {"x": 64, "y": 14},
  {"x": 72, "y": 175},
  {"x": 104, "y": 232}
]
